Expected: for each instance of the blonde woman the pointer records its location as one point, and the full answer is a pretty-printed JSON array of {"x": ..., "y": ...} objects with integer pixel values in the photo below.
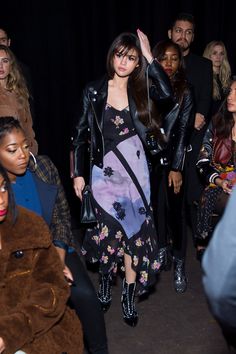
[
  {"x": 216, "y": 52},
  {"x": 14, "y": 95}
]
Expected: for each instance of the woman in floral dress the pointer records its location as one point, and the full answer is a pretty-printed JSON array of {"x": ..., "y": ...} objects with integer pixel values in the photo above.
[{"x": 115, "y": 113}]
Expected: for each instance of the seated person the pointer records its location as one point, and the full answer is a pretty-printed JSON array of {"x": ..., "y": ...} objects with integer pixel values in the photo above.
[
  {"x": 34, "y": 317},
  {"x": 219, "y": 265},
  {"x": 216, "y": 164},
  {"x": 37, "y": 186}
]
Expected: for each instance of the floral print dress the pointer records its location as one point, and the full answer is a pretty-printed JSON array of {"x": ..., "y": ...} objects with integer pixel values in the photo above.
[{"x": 121, "y": 190}]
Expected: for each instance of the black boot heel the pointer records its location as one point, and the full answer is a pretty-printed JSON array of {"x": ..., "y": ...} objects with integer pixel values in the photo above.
[
  {"x": 164, "y": 257},
  {"x": 104, "y": 292},
  {"x": 180, "y": 280},
  {"x": 130, "y": 314}
]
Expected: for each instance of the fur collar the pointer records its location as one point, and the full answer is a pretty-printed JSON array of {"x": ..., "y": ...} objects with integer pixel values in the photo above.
[{"x": 28, "y": 232}]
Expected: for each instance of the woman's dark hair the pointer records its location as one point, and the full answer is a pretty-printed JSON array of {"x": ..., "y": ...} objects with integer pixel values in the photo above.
[
  {"x": 223, "y": 120},
  {"x": 7, "y": 124},
  {"x": 178, "y": 81},
  {"x": 137, "y": 83},
  {"x": 11, "y": 200}
]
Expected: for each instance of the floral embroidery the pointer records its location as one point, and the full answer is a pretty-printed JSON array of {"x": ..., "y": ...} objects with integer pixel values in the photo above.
[
  {"x": 96, "y": 239},
  {"x": 143, "y": 277},
  {"x": 110, "y": 249},
  {"x": 155, "y": 265},
  {"x": 146, "y": 260},
  {"x": 120, "y": 212},
  {"x": 120, "y": 252},
  {"x": 118, "y": 121},
  {"x": 108, "y": 171},
  {"x": 119, "y": 235},
  {"x": 104, "y": 233},
  {"x": 122, "y": 268},
  {"x": 139, "y": 242},
  {"x": 104, "y": 259},
  {"x": 116, "y": 205},
  {"x": 124, "y": 131}
]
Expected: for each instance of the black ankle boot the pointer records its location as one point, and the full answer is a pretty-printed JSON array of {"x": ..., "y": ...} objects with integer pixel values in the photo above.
[
  {"x": 104, "y": 292},
  {"x": 164, "y": 258},
  {"x": 128, "y": 306},
  {"x": 180, "y": 280}
]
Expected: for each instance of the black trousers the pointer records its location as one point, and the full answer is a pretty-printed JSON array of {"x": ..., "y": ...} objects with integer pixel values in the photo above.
[
  {"x": 193, "y": 184},
  {"x": 85, "y": 302},
  {"x": 168, "y": 210}
]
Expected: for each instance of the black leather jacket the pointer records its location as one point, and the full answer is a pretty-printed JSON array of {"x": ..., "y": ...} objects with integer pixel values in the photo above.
[
  {"x": 177, "y": 125},
  {"x": 91, "y": 118}
]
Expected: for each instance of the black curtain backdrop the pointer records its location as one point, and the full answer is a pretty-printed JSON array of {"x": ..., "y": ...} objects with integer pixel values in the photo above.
[{"x": 65, "y": 43}]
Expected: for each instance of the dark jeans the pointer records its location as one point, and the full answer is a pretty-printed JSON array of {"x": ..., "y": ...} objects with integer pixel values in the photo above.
[{"x": 85, "y": 302}]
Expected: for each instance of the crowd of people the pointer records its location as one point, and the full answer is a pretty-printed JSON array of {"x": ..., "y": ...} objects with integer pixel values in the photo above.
[{"x": 160, "y": 142}]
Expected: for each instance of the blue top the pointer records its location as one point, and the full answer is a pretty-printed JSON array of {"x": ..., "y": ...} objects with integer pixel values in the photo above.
[{"x": 26, "y": 194}]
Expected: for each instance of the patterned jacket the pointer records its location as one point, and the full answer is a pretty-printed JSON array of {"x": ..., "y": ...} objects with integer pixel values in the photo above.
[{"x": 53, "y": 200}]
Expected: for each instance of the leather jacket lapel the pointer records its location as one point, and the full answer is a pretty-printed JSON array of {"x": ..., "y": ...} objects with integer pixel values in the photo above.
[{"x": 98, "y": 98}]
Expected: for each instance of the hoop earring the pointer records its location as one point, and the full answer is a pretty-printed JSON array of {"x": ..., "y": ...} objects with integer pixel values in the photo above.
[{"x": 35, "y": 161}]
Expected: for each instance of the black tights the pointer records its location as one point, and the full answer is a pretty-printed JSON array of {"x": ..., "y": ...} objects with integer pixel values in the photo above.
[{"x": 85, "y": 302}]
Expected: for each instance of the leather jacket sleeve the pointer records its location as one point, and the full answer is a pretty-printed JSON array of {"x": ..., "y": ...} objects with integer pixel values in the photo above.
[
  {"x": 161, "y": 87},
  {"x": 82, "y": 136},
  {"x": 182, "y": 131},
  {"x": 204, "y": 162}
]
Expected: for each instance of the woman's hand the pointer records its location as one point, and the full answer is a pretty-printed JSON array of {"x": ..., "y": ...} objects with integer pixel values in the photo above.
[
  {"x": 2, "y": 345},
  {"x": 68, "y": 275},
  {"x": 79, "y": 185},
  {"x": 224, "y": 184},
  {"x": 175, "y": 179},
  {"x": 199, "y": 121},
  {"x": 145, "y": 46}
]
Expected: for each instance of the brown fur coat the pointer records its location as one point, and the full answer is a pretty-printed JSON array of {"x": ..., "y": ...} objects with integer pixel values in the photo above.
[{"x": 33, "y": 292}]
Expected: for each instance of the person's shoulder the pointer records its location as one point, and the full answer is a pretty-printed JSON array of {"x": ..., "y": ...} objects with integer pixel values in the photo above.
[
  {"x": 199, "y": 60},
  {"x": 97, "y": 85},
  {"x": 43, "y": 160}
]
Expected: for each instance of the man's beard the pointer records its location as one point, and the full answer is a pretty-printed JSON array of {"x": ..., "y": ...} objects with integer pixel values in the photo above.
[{"x": 184, "y": 45}]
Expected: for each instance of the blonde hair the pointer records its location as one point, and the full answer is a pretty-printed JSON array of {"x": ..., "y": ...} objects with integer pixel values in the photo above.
[
  {"x": 225, "y": 70},
  {"x": 15, "y": 80}
]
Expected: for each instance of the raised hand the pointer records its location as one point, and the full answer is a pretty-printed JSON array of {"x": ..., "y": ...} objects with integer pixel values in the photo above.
[{"x": 145, "y": 46}]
